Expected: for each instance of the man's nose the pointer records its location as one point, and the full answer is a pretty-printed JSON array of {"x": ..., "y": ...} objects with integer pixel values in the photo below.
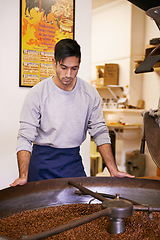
[{"x": 68, "y": 73}]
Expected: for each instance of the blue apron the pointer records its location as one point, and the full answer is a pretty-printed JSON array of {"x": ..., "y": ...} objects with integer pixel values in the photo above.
[{"x": 47, "y": 162}]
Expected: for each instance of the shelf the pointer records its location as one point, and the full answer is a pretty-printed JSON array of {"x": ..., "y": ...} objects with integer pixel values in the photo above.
[
  {"x": 123, "y": 110},
  {"x": 124, "y": 126},
  {"x": 109, "y": 86},
  {"x": 123, "y": 118},
  {"x": 156, "y": 69}
]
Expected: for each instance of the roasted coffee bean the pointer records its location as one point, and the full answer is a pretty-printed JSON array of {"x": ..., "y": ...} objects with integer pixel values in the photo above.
[{"x": 36, "y": 221}]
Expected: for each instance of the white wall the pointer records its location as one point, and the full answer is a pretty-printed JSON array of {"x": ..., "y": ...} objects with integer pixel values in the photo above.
[
  {"x": 83, "y": 36},
  {"x": 113, "y": 38},
  {"x": 116, "y": 40},
  {"x": 111, "y": 33},
  {"x": 137, "y": 51},
  {"x": 12, "y": 96},
  {"x": 120, "y": 33}
]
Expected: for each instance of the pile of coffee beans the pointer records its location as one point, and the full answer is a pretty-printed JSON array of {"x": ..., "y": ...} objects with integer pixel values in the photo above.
[{"x": 36, "y": 221}]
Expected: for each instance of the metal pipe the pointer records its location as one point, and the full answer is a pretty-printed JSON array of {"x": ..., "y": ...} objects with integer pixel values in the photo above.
[
  {"x": 87, "y": 191},
  {"x": 146, "y": 208},
  {"x": 98, "y": 196}
]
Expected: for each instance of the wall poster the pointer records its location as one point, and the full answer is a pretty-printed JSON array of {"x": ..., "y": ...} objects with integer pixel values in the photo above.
[{"x": 43, "y": 24}]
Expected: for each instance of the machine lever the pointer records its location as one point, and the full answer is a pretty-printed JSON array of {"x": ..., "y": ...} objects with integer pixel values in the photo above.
[
  {"x": 149, "y": 61},
  {"x": 142, "y": 148},
  {"x": 87, "y": 191}
]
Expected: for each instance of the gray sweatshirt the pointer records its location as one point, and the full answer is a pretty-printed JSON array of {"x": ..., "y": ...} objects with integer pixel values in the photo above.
[{"x": 53, "y": 117}]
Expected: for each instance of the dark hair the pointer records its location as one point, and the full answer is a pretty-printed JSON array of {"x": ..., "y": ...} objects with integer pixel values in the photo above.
[{"x": 67, "y": 48}]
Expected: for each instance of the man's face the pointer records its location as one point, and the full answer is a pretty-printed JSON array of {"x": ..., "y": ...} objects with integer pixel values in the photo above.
[{"x": 66, "y": 72}]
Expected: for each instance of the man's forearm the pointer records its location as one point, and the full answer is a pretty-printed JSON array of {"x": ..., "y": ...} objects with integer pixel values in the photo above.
[
  {"x": 23, "y": 158},
  {"x": 106, "y": 153}
]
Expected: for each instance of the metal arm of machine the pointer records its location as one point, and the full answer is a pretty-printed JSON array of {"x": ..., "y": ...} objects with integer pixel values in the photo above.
[
  {"x": 149, "y": 61},
  {"x": 87, "y": 191},
  {"x": 137, "y": 207}
]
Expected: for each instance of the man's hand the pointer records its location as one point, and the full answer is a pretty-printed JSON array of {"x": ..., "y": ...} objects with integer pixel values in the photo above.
[
  {"x": 123, "y": 174},
  {"x": 106, "y": 153},
  {"x": 23, "y": 163},
  {"x": 19, "y": 181}
]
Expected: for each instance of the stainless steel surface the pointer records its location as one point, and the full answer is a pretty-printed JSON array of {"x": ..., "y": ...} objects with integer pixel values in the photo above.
[
  {"x": 86, "y": 191},
  {"x": 143, "y": 140},
  {"x": 56, "y": 192},
  {"x": 156, "y": 113},
  {"x": 119, "y": 208},
  {"x": 154, "y": 13},
  {"x": 149, "y": 61},
  {"x": 152, "y": 134}
]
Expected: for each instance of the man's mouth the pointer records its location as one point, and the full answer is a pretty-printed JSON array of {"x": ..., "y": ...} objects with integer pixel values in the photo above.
[{"x": 67, "y": 79}]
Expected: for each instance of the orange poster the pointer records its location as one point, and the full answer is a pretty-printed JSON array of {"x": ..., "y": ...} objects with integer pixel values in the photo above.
[{"x": 43, "y": 24}]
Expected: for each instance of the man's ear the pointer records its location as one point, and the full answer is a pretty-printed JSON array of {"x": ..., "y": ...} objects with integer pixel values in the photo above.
[{"x": 54, "y": 63}]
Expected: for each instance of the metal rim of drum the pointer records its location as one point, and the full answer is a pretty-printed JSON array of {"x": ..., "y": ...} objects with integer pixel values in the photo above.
[{"x": 56, "y": 192}]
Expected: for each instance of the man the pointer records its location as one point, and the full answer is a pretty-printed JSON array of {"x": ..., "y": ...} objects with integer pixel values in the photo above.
[{"x": 55, "y": 117}]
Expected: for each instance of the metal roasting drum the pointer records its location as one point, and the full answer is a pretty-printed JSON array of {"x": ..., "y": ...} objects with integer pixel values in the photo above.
[
  {"x": 151, "y": 133},
  {"x": 145, "y": 193},
  {"x": 55, "y": 192}
]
